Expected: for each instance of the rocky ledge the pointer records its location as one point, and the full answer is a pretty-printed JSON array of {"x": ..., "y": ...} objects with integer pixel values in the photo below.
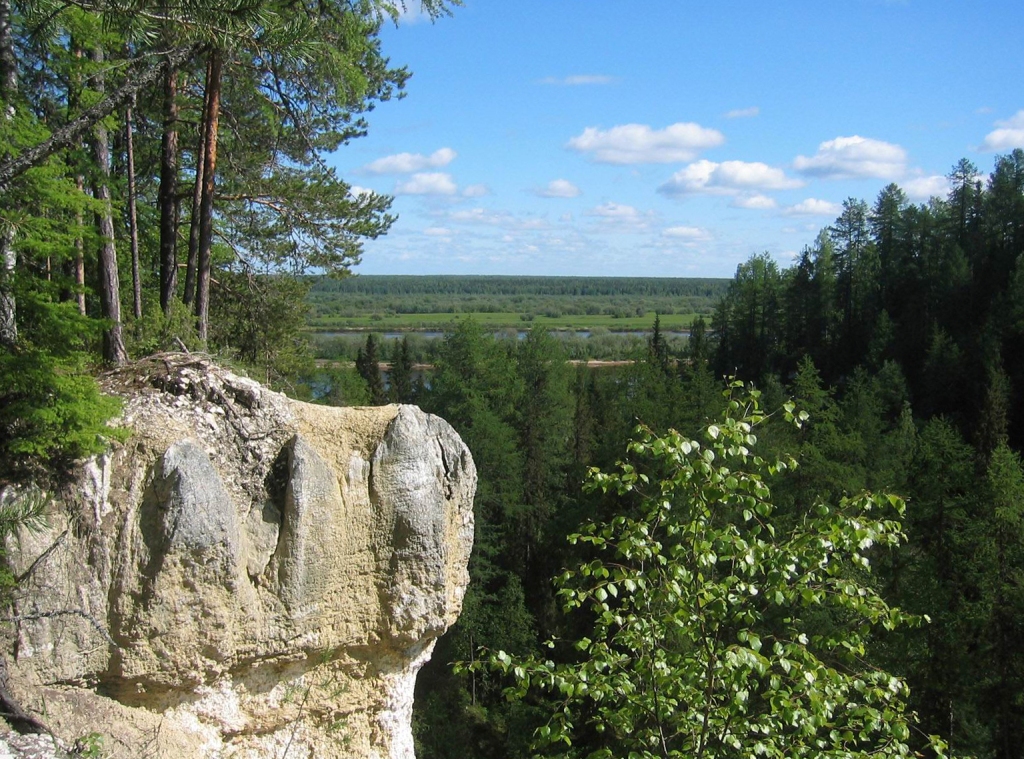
[{"x": 246, "y": 576}]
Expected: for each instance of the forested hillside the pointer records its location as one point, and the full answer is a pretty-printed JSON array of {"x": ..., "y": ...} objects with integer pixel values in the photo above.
[
  {"x": 897, "y": 332},
  {"x": 902, "y": 330}
]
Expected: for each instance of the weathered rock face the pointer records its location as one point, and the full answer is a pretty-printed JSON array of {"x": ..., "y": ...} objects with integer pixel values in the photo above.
[{"x": 272, "y": 574}]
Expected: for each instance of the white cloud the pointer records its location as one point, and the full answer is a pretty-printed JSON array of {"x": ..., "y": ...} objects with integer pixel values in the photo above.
[
  {"x": 923, "y": 188},
  {"x": 407, "y": 163},
  {"x": 476, "y": 191},
  {"x": 356, "y": 191},
  {"x": 1008, "y": 135},
  {"x": 429, "y": 183},
  {"x": 576, "y": 80},
  {"x": 638, "y": 143},
  {"x": 500, "y": 219},
  {"x": 727, "y": 178},
  {"x": 622, "y": 216},
  {"x": 437, "y": 232},
  {"x": 617, "y": 211},
  {"x": 754, "y": 202},
  {"x": 743, "y": 113},
  {"x": 851, "y": 157},
  {"x": 478, "y": 216},
  {"x": 814, "y": 207},
  {"x": 559, "y": 188},
  {"x": 686, "y": 233}
]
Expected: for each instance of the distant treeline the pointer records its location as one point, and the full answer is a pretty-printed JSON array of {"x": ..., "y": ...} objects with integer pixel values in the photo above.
[
  {"x": 509, "y": 285},
  {"x": 335, "y": 302}
]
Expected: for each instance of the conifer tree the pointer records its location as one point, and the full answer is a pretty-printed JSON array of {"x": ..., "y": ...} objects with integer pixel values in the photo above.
[
  {"x": 1000, "y": 558},
  {"x": 368, "y": 366},
  {"x": 400, "y": 379},
  {"x": 658, "y": 347}
]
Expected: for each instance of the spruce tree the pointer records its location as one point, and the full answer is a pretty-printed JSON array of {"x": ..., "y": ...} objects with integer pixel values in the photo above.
[
  {"x": 400, "y": 379},
  {"x": 368, "y": 366}
]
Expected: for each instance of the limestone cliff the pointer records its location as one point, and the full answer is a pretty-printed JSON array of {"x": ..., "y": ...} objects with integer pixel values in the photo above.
[{"x": 247, "y": 576}]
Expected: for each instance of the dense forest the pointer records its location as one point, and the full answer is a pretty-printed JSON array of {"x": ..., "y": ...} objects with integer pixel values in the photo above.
[
  {"x": 162, "y": 186},
  {"x": 899, "y": 333}
]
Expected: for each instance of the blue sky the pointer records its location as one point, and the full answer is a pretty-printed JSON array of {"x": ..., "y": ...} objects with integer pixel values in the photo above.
[{"x": 660, "y": 138}]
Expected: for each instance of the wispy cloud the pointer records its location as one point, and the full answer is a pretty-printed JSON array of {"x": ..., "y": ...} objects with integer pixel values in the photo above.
[
  {"x": 576, "y": 80},
  {"x": 727, "y": 178},
  {"x": 743, "y": 113},
  {"x": 639, "y": 143},
  {"x": 500, "y": 219},
  {"x": 854, "y": 157},
  {"x": 814, "y": 207},
  {"x": 692, "y": 234},
  {"x": 407, "y": 163},
  {"x": 428, "y": 183},
  {"x": 476, "y": 191},
  {"x": 559, "y": 188},
  {"x": 754, "y": 202},
  {"x": 622, "y": 217},
  {"x": 1009, "y": 134},
  {"x": 923, "y": 188}
]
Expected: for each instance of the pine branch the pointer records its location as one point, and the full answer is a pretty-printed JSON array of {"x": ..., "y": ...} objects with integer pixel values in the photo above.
[{"x": 140, "y": 75}]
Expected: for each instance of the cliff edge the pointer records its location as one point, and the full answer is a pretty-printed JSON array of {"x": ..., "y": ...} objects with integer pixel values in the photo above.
[{"x": 246, "y": 576}]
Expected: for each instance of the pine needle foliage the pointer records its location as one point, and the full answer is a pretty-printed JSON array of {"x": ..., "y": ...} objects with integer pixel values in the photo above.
[{"x": 51, "y": 409}]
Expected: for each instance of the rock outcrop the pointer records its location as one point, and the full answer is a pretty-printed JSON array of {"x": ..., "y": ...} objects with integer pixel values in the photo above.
[{"x": 246, "y": 576}]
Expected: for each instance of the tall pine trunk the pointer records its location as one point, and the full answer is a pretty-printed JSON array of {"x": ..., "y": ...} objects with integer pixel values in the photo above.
[
  {"x": 197, "y": 196},
  {"x": 133, "y": 215},
  {"x": 80, "y": 250},
  {"x": 8, "y": 257},
  {"x": 168, "y": 194},
  {"x": 109, "y": 284},
  {"x": 203, "y": 263},
  {"x": 74, "y": 97}
]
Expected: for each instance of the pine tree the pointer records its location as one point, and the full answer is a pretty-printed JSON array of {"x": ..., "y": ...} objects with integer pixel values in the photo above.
[
  {"x": 657, "y": 346},
  {"x": 400, "y": 378},
  {"x": 368, "y": 366}
]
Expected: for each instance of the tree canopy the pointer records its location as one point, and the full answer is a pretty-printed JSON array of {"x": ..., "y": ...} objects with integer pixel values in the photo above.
[{"x": 711, "y": 633}]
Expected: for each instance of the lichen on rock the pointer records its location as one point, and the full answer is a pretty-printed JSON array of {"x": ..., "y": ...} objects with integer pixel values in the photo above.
[{"x": 271, "y": 574}]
